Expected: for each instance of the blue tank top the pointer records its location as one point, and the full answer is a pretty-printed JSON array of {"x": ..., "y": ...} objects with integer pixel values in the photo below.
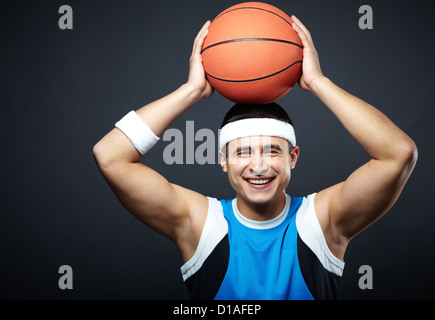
[
  {"x": 263, "y": 263},
  {"x": 280, "y": 259}
]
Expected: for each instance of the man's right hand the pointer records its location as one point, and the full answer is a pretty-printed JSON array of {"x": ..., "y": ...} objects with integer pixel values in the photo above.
[{"x": 197, "y": 77}]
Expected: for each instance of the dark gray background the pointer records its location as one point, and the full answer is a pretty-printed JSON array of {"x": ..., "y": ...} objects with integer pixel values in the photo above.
[{"x": 62, "y": 90}]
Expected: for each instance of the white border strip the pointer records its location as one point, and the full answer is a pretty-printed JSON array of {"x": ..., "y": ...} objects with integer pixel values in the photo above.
[
  {"x": 256, "y": 127},
  {"x": 311, "y": 233},
  {"x": 214, "y": 230},
  {"x": 138, "y": 132},
  {"x": 254, "y": 224}
]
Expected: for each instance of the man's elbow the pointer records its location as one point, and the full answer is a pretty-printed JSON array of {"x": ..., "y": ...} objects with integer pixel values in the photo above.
[
  {"x": 102, "y": 155},
  {"x": 408, "y": 154}
]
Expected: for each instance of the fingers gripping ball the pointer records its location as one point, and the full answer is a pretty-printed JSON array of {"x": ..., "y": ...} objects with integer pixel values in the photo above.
[{"x": 252, "y": 54}]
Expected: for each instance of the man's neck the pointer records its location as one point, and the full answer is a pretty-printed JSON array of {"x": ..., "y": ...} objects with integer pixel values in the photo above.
[{"x": 261, "y": 212}]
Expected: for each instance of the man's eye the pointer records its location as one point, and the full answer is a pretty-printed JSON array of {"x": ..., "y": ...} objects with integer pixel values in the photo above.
[
  {"x": 270, "y": 151},
  {"x": 243, "y": 153}
]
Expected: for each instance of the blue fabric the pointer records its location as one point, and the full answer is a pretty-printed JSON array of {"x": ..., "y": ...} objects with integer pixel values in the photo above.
[{"x": 263, "y": 263}]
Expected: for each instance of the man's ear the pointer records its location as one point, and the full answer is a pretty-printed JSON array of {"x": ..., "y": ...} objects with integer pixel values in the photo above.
[
  {"x": 294, "y": 155},
  {"x": 223, "y": 161}
]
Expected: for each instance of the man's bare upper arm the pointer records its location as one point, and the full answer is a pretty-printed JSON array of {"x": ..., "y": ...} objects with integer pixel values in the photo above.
[
  {"x": 347, "y": 208},
  {"x": 174, "y": 211}
]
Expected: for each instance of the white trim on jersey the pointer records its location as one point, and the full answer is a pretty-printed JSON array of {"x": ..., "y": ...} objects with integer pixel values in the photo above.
[
  {"x": 214, "y": 230},
  {"x": 262, "y": 224},
  {"x": 311, "y": 233},
  {"x": 307, "y": 224}
]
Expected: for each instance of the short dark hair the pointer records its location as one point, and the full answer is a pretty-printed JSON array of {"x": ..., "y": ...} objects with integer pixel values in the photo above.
[{"x": 248, "y": 111}]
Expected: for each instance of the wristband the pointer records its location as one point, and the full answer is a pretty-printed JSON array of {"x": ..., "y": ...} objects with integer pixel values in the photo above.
[{"x": 138, "y": 132}]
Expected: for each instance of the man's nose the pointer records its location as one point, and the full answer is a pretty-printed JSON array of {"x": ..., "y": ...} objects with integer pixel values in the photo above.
[{"x": 259, "y": 164}]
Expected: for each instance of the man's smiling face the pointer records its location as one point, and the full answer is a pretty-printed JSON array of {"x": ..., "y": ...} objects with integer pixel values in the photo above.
[{"x": 259, "y": 167}]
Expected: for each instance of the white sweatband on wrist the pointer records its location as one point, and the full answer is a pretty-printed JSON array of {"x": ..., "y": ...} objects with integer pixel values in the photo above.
[
  {"x": 138, "y": 132},
  {"x": 256, "y": 127}
]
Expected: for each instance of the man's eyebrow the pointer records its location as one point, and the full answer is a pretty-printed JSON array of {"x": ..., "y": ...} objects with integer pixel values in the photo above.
[
  {"x": 266, "y": 146},
  {"x": 241, "y": 148},
  {"x": 272, "y": 146}
]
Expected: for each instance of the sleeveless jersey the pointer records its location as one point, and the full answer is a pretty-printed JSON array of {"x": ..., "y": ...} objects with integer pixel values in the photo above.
[{"x": 279, "y": 259}]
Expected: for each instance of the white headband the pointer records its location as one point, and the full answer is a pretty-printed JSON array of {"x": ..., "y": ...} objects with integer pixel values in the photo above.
[{"x": 256, "y": 127}]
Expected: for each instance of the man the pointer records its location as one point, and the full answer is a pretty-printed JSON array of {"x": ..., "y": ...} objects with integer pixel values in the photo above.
[{"x": 264, "y": 244}]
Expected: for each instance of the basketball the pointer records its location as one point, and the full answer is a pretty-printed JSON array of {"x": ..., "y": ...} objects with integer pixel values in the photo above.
[{"x": 252, "y": 54}]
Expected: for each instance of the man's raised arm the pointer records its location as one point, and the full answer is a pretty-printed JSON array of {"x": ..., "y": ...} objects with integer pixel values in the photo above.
[
  {"x": 171, "y": 210},
  {"x": 350, "y": 206}
]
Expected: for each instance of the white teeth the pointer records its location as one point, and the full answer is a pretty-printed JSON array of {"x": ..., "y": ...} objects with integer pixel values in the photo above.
[{"x": 259, "y": 181}]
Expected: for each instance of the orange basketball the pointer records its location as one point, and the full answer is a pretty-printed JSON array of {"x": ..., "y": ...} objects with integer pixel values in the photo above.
[{"x": 252, "y": 54}]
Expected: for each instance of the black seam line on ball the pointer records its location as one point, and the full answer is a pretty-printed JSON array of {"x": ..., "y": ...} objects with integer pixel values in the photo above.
[
  {"x": 256, "y": 79},
  {"x": 251, "y": 39},
  {"x": 255, "y": 9},
  {"x": 293, "y": 83}
]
